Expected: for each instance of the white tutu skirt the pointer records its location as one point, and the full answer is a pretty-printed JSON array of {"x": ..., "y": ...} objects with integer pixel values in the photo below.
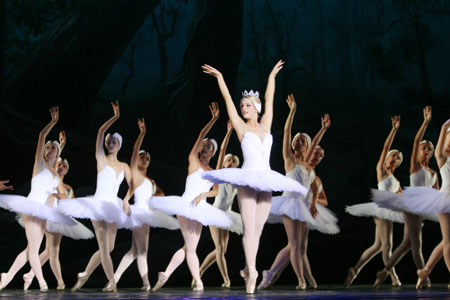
[
  {"x": 204, "y": 213},
  {"x": 397, "y": 202},
  {"x": 260, "y": 180},
  {"x": 425, "y": 200},
  {"x": 76, "y": 232},
  {"x": 370, "y": 209},
  {"x": 110, "y": 211},
  {"x": 153, "y": 218},
  {"x": 24, "y": 205},
  {"x": 237, "y": 226},
  {"x": 298, "y": 209}
]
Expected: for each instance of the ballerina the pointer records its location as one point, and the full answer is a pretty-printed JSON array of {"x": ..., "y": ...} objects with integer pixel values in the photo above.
[
  {"x": 4, "y": 186},
  {"x": 295, "y": 210},
  {"x": 143, "y": 189},
  {"x": 255, "y": 180},
  {"x": 191, "y": 208},
  {"x": 383, "y": 217},
  {"x": 224, "y": 201},
  {"x": 104, "y": 208},
  {"x": 428, "y": 201},
  {"x": 36, "y": 208},
  {"x": 420, "y": 175}
]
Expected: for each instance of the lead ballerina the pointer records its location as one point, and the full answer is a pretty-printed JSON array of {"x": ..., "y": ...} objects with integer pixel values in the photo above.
[{"x": 255, "y": 180}]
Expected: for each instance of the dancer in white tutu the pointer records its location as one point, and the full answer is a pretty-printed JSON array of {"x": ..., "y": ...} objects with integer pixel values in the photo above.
[
  {"x": 383, "y": 217},
  {"x": 143, "y": 188},
  {"x": 426, "y": 200},
  {"x": 420, "y": 175},
  {"x": 104, "y": 208},
  {"x": 295, "y": 209},
  {"x": 256, "y": 180},
  {"x": 224, "y": 201},
  {"x": 191, "y": 208},
  {"x": 37, "y": 207},
  {"x": 54, "y": 232},
  {"x": 4, "y": 185}
]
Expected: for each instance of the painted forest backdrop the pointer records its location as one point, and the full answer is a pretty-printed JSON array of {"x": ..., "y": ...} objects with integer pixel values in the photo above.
[{"x": 359, "y": 61}]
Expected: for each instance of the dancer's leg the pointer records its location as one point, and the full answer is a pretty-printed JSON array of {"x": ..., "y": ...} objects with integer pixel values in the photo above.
[
  {"x": 435, "y": 256},
  {"x": 294, "y": 231},
  {"x": 220, "y": 238},
  {"x": 386, "y": 234},
  {"x": 18, "y": 263},
  {"x": 191, "y": 231},
  {"x": 306, "y": 267},
  {"x": 247, "y": 207},
  {"x": 34, "y": 230},
  {"x": 400, "y": 251},
  {"x": 444, "y": 221},
  {"x": 54, "y": 241},
  {"x": 140, "y": 239},
  {"x": 414, "y": 223},
  {"x": 126, "y": 261}
]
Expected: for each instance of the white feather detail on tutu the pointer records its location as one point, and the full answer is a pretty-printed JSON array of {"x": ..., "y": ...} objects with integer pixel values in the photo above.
[
  {"x": 237, "y": 226},
  {"x": 425, "y": 200},
  {"x": 154, "y": 218},
  {"x": 397, "y": 202},
  {"x": 370, "y": 209},
  {"x": 23, "y": 205},
  {"x": 203, "y": 213},
  {"x": 260, "y": 180}
]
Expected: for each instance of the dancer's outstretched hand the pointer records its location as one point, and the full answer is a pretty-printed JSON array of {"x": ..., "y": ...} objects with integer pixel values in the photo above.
[
  {"x": 141, "y": 124},
  {"x": 211, "y": 71},
  {"x": 313, "y": 210},
  {"x": 115, "y": 106},
  {"x": 427, "y": 113},
  {"x": 4, "y": 187},
  {"x": 326, "y": 122},
  {"x": 51, "y": 200},
  {"x": 62, "y": 138},
  {"x": 126, "y": 208},
  {"x": 214, "y": 108},
  {"x": 395, "y": 122},
  {"x": 197, "y": 200},
  {"x": 54, "y": 112},
  {"x": 278, "y": 66},
  {"x": 291, "y": 102}
]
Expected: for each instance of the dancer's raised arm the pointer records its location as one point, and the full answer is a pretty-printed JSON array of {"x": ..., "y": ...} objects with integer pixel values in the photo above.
[
  {"x": 267, "y": 117},
  {"x": 288, "y": 155},
  {"x": 326, "y": 123},
  {"x": 322, "y": 197},
  {"x": 439, "y": 154},
  {"x": 415, "y": 163},
  {"x": 381, "y": 170},
  {"x": 99, "y": 150},
  {"x": 224, "y": 145},
  {"x": 194, "y": 161},
  {"x": 62, "y": 140},
  {"x": 238, "y": 123},
  {"x": 39, "y": 161}
]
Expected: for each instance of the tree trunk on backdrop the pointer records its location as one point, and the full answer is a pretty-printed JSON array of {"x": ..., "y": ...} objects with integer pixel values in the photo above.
[
  {"x": 68, "y": 64},
  {"x": 215, "y": 38}
]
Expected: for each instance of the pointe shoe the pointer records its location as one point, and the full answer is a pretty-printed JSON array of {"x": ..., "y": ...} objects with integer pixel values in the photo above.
[
  {"x": 244, "y": 274},
  {"x": 26, "y": 282},
  {"x": 312, "y": 283},
  {"x": 267, "y": 279},
  {"x": 193, "y": 283},
  {"x": 422, "y": 275},
  {"x": 251, "y": 281},
  {"x": 351, "y": 275},
  {"x": 61, "y": 287},
  {"x": 43, "y": 286},
  {"x": 5, "y": 279},
  {"x": 146, "y": 288},
  {"x": 110, "y": 287},
  {"x": 381, "y": 277},
  {"x": 226, "y": 284},
  {"x": 301, "y": 284},
  {"x": 162, "y": 278},
  {"x": 395, "y": 281},
  {"x": 198, "y": 286},
  {"x": 82, "y": 278}
]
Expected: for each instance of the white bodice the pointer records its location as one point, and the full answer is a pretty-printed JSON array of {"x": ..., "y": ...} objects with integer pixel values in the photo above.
[
  {"x": 303, "y": 176},
  {"x": 423, "y": 177},
  {"x": 390, "y": 184},
  {"x": 256, "y": 152},
  {"x": 445, "y": 174},
  {"x": 225, "y": 196},
  {"x": 142, "y": 193},
  {"x": 42, "y": 185},
  {"x": 195, "y": 185},
  {"x": 108, "y": 183}
]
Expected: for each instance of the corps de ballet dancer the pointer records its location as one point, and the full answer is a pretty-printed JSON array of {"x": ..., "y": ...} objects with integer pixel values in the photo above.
[
  {"x": 191, "y": 208},
  {"x": 104, "y": 209},
  {"x": 255, "y": 180},
  {"x": 224, "y": 201},
  {"x": 294, "y": 209},
  {"x": 4, "y": 185},
  {"x": 143, "y": 189},
  {"x": 36, "y": 208},
  {"x": 389, "y": 161},
  {"x": 425, "y": 201},
  {"x": 420, "y": 175}
]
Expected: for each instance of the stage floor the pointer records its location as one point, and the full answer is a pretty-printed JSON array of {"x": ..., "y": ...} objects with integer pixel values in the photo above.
[{"x": 280, "y": 292}]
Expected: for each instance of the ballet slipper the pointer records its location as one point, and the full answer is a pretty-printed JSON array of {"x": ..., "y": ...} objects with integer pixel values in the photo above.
[
  {"x": 422, "y": 275},
  {"x": 198, "y": 286},
  {"x": 146, "y": 287},
  {"x": 110, "y": 287},
  {"x": 43, "y": 286},
  {"x": 381, "y": 277},
  {"x": 5, "y": 279},
  {"x": 351, "y": 275},
  {"x": 268, "y": 277},
  {"x": 61, "y": 286},
  {"x": 395, "y": 281},
  {"x": 226, "y": 284},
  {"x": 162, "y": 278},
  {"x": 193, "y": 283},
  {"x": 301, "y": 284},
  {"x": 251, "y": 281},
  {"x": 26, "y": 282},
  {"x": 312, "y": 283},
  {"x": 82, "y": 278},
  {"x": 244, "y": 274}
]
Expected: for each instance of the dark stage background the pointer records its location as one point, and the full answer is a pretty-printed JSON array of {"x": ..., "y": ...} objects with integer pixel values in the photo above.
[{"x": 359, "y": 61}]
